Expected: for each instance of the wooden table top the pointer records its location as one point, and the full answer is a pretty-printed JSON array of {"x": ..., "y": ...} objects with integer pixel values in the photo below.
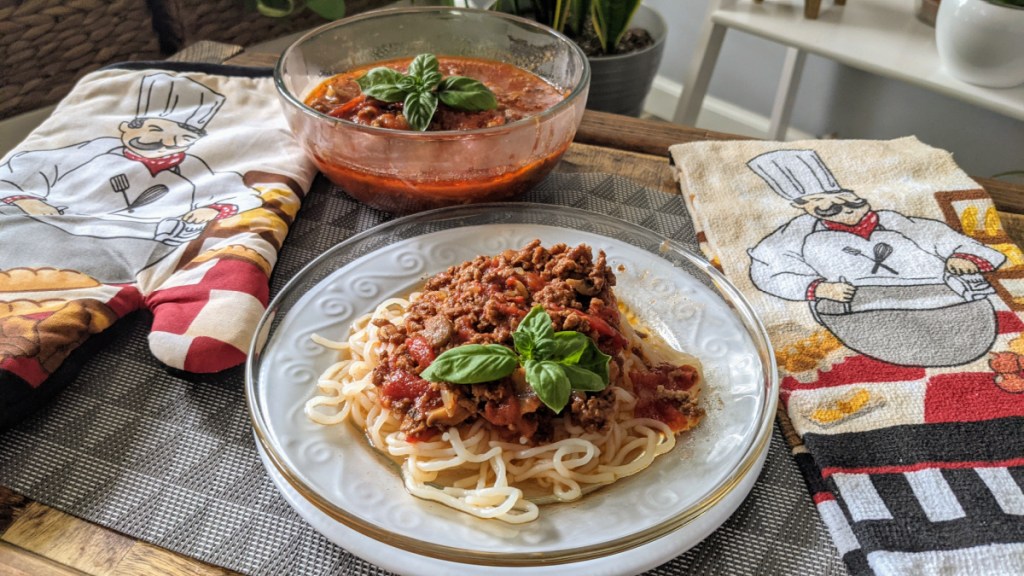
[{"x": 37, "y": 539}]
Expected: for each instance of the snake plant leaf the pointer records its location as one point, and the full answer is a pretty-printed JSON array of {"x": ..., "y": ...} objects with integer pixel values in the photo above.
[
  {"x": 611, "y": 19},
  {"x": 579, "y": 12}
]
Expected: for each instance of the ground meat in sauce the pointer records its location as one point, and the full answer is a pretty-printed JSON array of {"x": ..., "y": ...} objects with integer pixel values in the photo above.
[
  {"x": 482, "y": 302},
  {"x": 519, "y": 93}
]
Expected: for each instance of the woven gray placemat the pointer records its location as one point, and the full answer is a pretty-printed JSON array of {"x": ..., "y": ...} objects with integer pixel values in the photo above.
[{"x": 170, "y": 458}]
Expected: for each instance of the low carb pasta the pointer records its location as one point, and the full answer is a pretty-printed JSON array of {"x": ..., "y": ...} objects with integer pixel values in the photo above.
[{"x": 510, "y": 381}]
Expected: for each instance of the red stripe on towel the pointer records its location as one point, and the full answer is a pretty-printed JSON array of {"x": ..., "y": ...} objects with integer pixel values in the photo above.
[
  {"x": 904, "y": 468},
  {"x": 969, "y": 397},
  {"x": 857, "y": 370}
]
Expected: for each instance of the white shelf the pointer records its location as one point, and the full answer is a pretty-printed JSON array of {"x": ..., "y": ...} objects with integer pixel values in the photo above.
[{"x": 883, "y": 37}]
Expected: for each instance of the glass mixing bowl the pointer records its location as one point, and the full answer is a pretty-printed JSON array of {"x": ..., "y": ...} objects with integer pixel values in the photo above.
[{"x": 406, "y": 171}]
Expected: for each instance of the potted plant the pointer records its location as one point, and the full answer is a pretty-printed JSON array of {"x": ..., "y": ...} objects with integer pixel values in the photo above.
[
  {"x": 982, "y": 41},
  {"x": 623, "y": 39},
  {"x": 326, "y": 9}
]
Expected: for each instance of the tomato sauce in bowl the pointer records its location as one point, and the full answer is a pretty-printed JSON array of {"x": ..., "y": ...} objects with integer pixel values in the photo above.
[
  {"x": 540, "y": 80},
  {"x": 520, "y": 94}
]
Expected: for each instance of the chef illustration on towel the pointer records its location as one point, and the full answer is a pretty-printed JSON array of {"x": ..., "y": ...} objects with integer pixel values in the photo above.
[
  {"x": 142, "y": 188},
  {"x": 903, "y": 289}
]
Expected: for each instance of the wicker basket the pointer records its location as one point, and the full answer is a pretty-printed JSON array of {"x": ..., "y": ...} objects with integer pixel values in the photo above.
[
  {"x": 47, "y": 45},
  {"x": 185, "y": 22}
]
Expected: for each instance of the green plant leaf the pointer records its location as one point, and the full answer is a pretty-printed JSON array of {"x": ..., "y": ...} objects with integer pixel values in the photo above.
[
  {"x": 517, "y": 7},
  {"x": 550, "y": 382},
  {"x": 583, "y": 379},
  {"x": 546, "y": 11},
  {"x": 419, "y": 108},
  {"x": 611, "y": 20},
  {"x": 537, "y": 323},
  {"x": 595, "y": 361},
  {"x": 329, "y": 9},
  {"x": 416, "y": 90},
  {"x": 472, "y": 364},
  {"x": 383, "y": 84},
  {"x": 275, "y": 8},
  {"x": 524, "y": 343},
  {"x": 408, "y": 83},
  {"x": 579, "y": 12},
  {"x": 425, "y": 71},
  {"x": 555, "y": 363},
  {"x": 466, "y": 94},
  {"x": 563, "y": 347}
]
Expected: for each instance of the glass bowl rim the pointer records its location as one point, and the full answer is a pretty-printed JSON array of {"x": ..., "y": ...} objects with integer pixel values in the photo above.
[
  {"x": 295, "y": 101},
  {"x": 753, "y": 451}
]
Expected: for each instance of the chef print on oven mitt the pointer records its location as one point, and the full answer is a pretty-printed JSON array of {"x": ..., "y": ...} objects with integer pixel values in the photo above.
[
  {"x": 165, "y": 188},
  {"x": 892, "y": 296}
]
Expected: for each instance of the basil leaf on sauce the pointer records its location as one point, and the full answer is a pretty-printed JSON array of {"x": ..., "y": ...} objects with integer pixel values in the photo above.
[
  {"x": 524, "y": 343},
  {"x": 466, "y": 94},
  {"x": 538, "y": 324},
  {"x": 472, "y": 364},
  {"x": 595, "y": 361},
  {"x": 419, "y": 109},
  {"x": 383, "y": 84},
  {"x": 422, "y": 88},
  {"x": 555, "y": 363},
  {"x": 563, "y": 347},
  {"x": 550, "y": 382},
  {"x": 583, "y": 379},
  {"x": 425, "y": 70}
]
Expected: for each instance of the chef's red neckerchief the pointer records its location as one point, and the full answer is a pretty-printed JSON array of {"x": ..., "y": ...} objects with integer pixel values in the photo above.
[
  {"x": 899, "y": 341},
  {"x": 162, "y": 186}
]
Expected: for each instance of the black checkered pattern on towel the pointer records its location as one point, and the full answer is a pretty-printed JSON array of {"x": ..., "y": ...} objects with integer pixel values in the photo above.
[{"x": 170, "y": 459}]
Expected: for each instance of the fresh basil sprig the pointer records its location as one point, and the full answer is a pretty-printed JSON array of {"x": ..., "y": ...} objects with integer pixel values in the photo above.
[
  {"x": 472, "y": 364},
  {"x": 422, "y": 88},
  {"x": 556, "y": 363}
]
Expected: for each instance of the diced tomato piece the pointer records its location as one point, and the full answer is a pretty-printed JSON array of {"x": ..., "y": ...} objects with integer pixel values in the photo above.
[
  {"x": 615, "y": 340},
  {"x": 420, "y": 350},
  {"x": 510, "y": 309},
  {"x": 662, "y": 411},
  {"x": 504, "y": 414},
  {"x": 340, "y": 111},
  {"x": 533, "y": 281},
  {"x": 401, "y": 385}
]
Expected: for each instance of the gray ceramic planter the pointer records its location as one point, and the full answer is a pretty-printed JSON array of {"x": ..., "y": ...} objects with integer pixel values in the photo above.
[{"x": 620, "y": 83}]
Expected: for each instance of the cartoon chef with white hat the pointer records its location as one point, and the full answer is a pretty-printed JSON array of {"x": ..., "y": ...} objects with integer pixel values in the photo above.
[
  {"x": 840, "y": 245},
  {"x": 143, "y": 185}
]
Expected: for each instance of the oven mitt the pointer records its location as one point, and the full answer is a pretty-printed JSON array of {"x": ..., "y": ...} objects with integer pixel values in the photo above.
[
  {"x": 892, "y": 297},
  {"x": 168, "y": 188}
]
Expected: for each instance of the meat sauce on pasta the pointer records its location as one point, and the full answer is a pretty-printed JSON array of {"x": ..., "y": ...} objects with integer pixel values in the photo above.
[
  {"x": 499, "y": 443},
  {"x": 482, "y": 302}
]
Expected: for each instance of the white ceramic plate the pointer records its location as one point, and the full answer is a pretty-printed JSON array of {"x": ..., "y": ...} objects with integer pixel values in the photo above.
[
  {"x": 632, "y": 561},
  {"x": 672, "y": 505}
]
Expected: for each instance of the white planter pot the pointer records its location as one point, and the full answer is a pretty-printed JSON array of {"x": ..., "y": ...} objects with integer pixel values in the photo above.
[{"x": 981, "y": 43}]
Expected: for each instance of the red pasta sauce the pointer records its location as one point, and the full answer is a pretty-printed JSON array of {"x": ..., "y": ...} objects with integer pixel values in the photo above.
[
  {"x": 487, "y": 171},
  {"x": 519, "y": 94}
]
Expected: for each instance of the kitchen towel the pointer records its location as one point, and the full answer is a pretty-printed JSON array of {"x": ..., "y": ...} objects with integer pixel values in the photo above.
[
  {"x": 892, "y": 296},
  {"x": 163, "y": 186}
]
